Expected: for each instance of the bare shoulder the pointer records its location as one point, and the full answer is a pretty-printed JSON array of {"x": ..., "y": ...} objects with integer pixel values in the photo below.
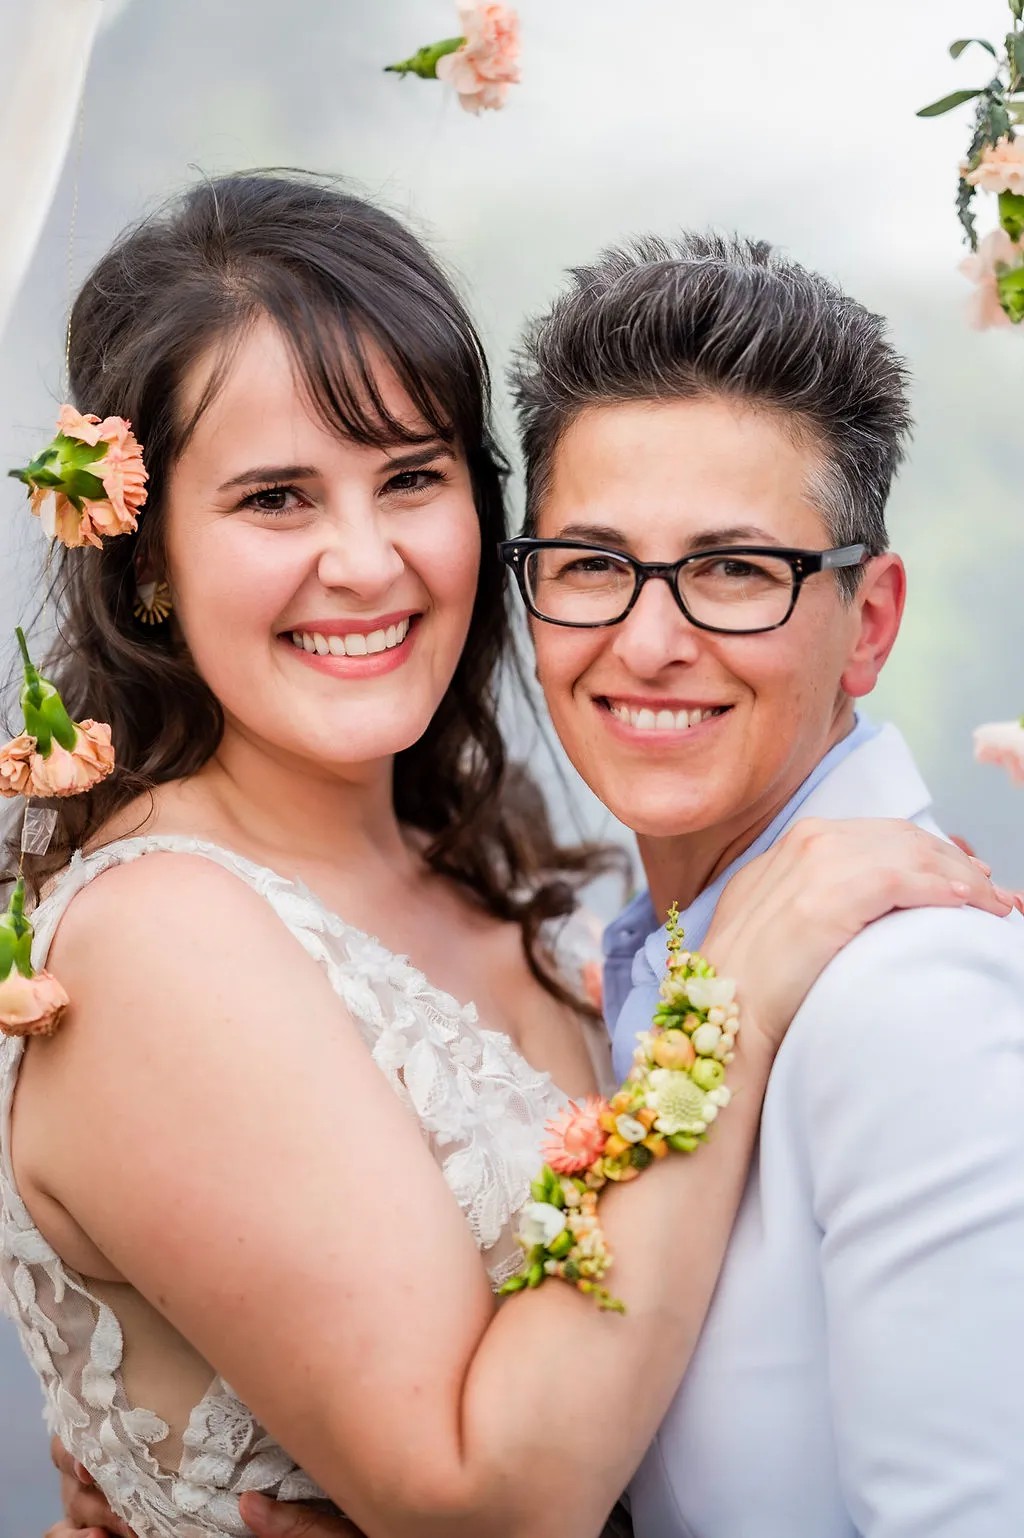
[{"x": 159, "y": 919}]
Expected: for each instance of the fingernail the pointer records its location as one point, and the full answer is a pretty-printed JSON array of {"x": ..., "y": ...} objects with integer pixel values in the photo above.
[
  {"x": 1003, "y": 895},
  {"x": 960, "y": 888},
  {"x": 981, "y": 864}
]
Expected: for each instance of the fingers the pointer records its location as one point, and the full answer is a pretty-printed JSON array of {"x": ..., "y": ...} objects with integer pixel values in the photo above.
[
  {"x": 67, "y": 1465},
  {"x": 88, "y": 1509},
  {"x": 277, "y": 1519}
]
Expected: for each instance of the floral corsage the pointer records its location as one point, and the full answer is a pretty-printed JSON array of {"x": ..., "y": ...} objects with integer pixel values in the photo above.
[{"x": 673, "y": 1093}]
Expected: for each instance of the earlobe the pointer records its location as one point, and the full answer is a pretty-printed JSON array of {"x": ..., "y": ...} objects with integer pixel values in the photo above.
[{"x": 878, "y": 609}]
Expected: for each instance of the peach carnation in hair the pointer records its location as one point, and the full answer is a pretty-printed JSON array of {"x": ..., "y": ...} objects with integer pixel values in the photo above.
[
  {"x": 121, "y": 472},
  {"x": 1002, "y": 743},
  {"x": 575, "y": 1137},
  {"x": 1000, "y": 168},
  {"x": 482, "y": 70},
  {"x": 31, "y": 1006}
]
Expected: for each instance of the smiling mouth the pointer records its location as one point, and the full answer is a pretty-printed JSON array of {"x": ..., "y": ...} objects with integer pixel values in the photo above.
[
  {"x": 644, "y": 719},
  {"x": 355, "y": 643}
]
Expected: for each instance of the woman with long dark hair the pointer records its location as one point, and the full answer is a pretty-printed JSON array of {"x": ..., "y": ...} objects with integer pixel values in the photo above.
[{"x": 276, "y": 1269}]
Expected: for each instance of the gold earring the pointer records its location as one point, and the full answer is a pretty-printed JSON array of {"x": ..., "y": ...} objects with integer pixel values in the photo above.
[{"x": 152, "y": 602}]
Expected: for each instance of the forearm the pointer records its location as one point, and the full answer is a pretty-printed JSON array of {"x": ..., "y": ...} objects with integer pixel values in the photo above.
[{"x": 559, "y": 1397}]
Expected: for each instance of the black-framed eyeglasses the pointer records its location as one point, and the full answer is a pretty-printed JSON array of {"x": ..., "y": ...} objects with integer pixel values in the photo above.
[{"x": 734, "y": 590}]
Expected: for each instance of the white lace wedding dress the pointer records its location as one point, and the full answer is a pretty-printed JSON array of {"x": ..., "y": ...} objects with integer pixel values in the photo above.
[{"x": 169, "y": 1444}]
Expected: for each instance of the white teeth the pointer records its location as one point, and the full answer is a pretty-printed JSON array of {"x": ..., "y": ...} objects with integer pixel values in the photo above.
[
  {"x": 646, "y": 720},
  {"x": 355, "y": 644}
]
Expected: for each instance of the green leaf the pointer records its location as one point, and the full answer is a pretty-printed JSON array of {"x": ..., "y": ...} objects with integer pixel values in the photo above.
[
  {"x": 1015, "y": 54},
  {"x": 957, "y": 48},
  {"x": 947, "y": 103}
]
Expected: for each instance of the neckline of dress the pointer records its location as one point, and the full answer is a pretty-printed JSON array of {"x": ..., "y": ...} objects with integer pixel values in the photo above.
[{"x": 412, "y": 979}]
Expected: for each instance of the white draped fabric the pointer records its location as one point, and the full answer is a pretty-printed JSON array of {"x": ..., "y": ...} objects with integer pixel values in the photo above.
[{"x": 47, "y": 46}]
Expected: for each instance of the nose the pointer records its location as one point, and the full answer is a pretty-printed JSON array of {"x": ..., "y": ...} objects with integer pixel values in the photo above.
[
  {"x": 655, "y": 633},
  {"x": 358, "y": 555}
]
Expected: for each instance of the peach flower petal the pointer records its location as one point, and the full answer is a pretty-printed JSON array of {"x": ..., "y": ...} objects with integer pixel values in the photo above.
[
  {"x": 31, "y": 1006},
  {"x": 15, "y": 765},
  {"x": 1002, "y": 743},
  {"x": 995, "y": 253},
  {"x": 1001, "y": 167}
]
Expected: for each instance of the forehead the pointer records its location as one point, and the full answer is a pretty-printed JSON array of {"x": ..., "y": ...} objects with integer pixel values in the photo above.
[
  {"x": 673, "y": 470},
  {"x": 250, "y": 388}
]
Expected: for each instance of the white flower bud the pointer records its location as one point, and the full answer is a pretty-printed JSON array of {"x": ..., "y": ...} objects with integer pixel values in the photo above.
[
  {"x": 629, "y": 1129},
  {"x": 706, "y": 1038},
  {"x": 540, "y": 1223}
]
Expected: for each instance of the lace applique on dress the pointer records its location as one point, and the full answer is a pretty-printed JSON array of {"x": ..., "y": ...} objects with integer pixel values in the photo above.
[{"x": 482, "y": 1109}]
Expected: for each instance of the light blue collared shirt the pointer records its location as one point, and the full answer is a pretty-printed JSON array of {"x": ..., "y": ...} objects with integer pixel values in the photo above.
[{"x": 635, "y": 948}]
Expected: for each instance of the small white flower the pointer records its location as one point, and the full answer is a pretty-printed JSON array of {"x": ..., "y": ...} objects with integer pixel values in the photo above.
[
  {"x": 706, "y": 1038},
  {"x": 540, "y": 1223},
  {"x": 720, "y": 1096},
  {"x": 629, "y": 1129},
  {"x": 707, "y": 992}
]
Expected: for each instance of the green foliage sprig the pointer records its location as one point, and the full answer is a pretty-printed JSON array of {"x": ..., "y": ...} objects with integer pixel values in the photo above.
[{"x": 1000, "y": 106}]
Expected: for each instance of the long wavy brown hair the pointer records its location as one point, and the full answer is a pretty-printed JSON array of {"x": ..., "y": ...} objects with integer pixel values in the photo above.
[{"x": 338, "y": 277}]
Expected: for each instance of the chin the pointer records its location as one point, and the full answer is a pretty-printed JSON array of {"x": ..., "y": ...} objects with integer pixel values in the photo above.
[{"x": 660, "y": 811}]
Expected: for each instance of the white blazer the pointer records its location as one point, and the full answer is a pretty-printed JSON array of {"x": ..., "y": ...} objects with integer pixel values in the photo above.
[{"x": 861, "y": 1371}]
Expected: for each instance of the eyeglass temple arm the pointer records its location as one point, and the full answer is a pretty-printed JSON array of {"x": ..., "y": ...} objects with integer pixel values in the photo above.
[{"x": 847, "y": 555}]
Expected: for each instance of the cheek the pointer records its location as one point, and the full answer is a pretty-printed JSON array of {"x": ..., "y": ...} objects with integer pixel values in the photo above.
[
  {"x": 235, "y": 576},
  {"x": 448, "y": 565}
]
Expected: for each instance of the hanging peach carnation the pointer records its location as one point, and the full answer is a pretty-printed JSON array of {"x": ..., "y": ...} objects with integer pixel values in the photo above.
[
  {"x": 69, "y": 772},
  {"x": 482, "y": 70},
  {"x": 31, "y": 1003},
  {"x": 1000, "y": 167},
  {"x": 89, "y": 482},
  {"x": 54, "y": 756},
  {"x": 996, "y": 257},
  {"x": 576, "y": 1137},
  {"x": 31, "y": 1006},
  {"x": 480, "y": 64}
]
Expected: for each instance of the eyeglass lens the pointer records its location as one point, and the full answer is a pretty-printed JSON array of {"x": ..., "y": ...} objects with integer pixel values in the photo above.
[{"x": 593, "y": 587}]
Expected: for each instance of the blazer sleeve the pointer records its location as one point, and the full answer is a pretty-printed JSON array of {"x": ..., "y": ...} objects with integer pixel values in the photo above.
[{"x": 911, "y": 1054}]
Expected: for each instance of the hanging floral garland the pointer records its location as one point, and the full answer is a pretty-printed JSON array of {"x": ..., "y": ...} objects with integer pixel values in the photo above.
[
  {"x": 88, "y": 483},
  {"x": 994, "y": 163}
]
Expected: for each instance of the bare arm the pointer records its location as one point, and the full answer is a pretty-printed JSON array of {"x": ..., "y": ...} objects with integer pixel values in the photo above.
[{"x": 381, "y": 1362}]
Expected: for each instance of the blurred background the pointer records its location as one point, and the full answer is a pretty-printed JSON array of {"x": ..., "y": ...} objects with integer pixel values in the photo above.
[{"x": 793, "y": 122}]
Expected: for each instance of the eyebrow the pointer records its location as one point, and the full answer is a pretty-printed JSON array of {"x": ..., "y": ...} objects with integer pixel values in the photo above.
[
  {"x": 707, "y": 539},
  {"x": 421, "y": 455}
]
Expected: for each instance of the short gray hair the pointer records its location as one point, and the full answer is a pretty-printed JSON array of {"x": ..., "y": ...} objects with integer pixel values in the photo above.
[{"x": 705, "y": 315}]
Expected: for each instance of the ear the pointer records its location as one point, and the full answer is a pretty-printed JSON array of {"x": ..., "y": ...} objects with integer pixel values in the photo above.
[{"x": 878, "y": 609}]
